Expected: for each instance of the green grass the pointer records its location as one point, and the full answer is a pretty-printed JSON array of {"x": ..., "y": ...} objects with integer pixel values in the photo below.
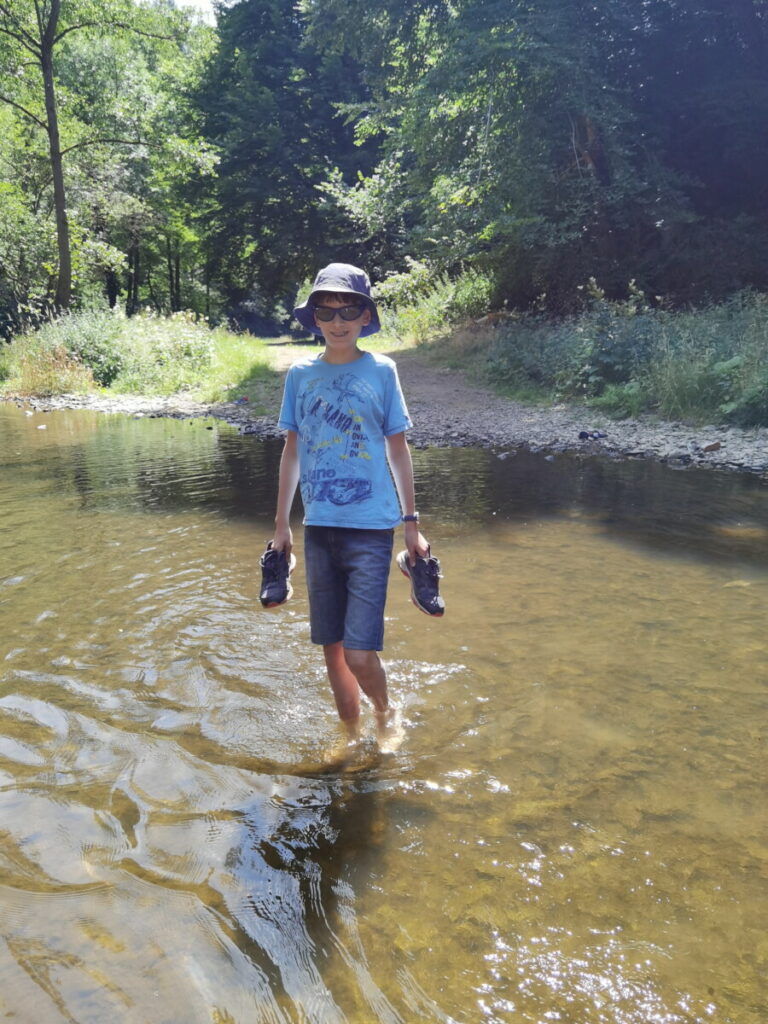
[
  {"x": 625, "y": 358},
  {"x": 42, "y": 370},
  {"x": 699, "y": 366},
  {"x": 145, "y": 354}
]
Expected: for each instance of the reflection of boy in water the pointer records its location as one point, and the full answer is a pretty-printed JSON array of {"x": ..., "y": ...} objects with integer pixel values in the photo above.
[{"x": 345, "y": 420}]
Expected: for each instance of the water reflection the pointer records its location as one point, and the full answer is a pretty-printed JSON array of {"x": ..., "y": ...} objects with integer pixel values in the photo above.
[{"x": 574, "y": 830}]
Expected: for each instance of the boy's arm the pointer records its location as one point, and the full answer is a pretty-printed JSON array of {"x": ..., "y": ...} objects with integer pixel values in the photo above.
[
  {"x": 399, "y": 456},
  {"x": 288, "y": 480}
]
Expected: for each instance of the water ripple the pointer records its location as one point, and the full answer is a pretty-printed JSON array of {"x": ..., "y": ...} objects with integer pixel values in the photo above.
[{"x": 574, "y": 827}]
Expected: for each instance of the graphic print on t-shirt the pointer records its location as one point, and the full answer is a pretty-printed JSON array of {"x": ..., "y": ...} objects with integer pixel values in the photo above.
[{"x": 332, "y": 428}]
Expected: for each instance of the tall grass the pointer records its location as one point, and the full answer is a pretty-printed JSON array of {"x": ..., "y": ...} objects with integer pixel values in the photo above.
[
  {"x": 705, "y": 365},
  {"x": 44, "y": 370},
  {"x": 626, "y": 358},
  {"x": 144, "y": 354}
]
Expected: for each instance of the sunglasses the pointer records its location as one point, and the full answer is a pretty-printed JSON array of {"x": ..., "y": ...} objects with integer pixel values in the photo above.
[{"x": 326, "y": 314}]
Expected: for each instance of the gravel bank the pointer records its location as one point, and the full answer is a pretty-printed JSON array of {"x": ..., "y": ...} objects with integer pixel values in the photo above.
[{"x": 450, "y": 411}]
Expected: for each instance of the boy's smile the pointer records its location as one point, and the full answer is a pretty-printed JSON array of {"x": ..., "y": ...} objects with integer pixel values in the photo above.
[{"x": 340, "y": 335}]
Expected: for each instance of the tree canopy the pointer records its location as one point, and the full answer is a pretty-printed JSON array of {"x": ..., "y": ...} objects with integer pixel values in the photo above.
[{"x": 149, "y": 159}]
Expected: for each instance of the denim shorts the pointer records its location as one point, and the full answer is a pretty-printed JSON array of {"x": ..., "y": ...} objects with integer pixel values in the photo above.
[{"x": 347, "y": 575}]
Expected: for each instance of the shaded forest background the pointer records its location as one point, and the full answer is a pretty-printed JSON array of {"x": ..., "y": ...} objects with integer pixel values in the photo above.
[{"x": 150, "y": 160}]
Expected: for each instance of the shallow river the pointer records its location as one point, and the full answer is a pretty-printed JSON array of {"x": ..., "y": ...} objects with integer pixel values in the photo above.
[{"x": 575, "y": 829}]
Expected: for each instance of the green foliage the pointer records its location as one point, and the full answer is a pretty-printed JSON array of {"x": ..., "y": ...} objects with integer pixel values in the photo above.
[
  {"x": 749, "y": 408},
  {"x": 546, "y": 142},
  {"x": 419, "y": 304},
  {"x": 625, "y": 358},
  {"x": 147, "y": 354},
  {"x": 165, "y": 354},
  {"x": 93, "y": 338},
  {"x": 536, "y": 142},
  {"x": 36, "y": 365},
  {"x": 710, "y": 363},
  {"x": 622, "y": 401},
  {"x": 241, "y": 369},
  {"x": 268, "y": 106},
  {"x": 99, "y": 146}
]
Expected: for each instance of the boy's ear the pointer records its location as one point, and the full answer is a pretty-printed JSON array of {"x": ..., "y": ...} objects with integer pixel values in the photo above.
[{"x": 366, "y": 316}]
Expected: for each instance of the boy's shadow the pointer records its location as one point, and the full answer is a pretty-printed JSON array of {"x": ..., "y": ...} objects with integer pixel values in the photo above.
[{"x": 299, "y": 881}]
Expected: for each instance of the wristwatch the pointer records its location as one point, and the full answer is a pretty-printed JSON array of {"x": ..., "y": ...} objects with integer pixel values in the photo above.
[{"x": 411, "y": 519}]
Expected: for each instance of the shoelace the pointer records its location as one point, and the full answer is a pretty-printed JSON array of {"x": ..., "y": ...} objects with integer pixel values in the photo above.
[
  {"x": 428, "y": 566},
  {"x": 273, "y": 569}
]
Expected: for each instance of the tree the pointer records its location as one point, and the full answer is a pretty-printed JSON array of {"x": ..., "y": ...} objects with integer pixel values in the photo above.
[
  {"x": 269, "y": 109},
  {"x": 551, "y": 141},
  {"x": 39, "y": 38}
]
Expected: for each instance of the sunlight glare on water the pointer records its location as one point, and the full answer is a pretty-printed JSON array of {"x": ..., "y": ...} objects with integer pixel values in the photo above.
[{"x": 574, "y": 829}]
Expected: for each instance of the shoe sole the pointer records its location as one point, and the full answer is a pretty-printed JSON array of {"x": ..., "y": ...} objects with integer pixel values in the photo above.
[
  {"x": 289, "y": 594},
  {"x": 400, "y": 564},
  {"x": 276, "y": 604}
]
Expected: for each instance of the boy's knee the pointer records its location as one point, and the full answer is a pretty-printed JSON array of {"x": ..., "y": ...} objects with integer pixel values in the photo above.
[{"x": 361, "y": 661}]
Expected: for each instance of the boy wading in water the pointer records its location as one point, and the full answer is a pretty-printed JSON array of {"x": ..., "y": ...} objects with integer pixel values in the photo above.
[{"x": 345, "y": 420}]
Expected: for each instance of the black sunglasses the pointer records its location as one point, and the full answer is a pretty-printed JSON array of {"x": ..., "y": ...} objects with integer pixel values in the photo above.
[{"x": 325, "y": 314}]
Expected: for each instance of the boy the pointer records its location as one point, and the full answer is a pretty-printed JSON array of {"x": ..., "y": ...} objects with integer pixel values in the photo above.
[{"x": 345, "y": 419}]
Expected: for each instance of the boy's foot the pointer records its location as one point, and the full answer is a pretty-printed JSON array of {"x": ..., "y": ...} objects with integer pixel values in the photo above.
[
  {"x": 341, "y": 752},
  {"x": 275, "y": 572},
  {"x": 390, "y": 731},
  {"x": 424, "y": 586}
]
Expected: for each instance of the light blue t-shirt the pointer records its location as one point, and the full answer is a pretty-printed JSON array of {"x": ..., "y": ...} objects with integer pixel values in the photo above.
[{"x": 342, "y": 412}]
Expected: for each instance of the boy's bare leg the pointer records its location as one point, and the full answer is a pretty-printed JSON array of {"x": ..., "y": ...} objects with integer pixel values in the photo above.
[
  {"x": 349, "y": 672},
  {"x": 367, "y": 669},
  {"x": 346, "y": 691}
]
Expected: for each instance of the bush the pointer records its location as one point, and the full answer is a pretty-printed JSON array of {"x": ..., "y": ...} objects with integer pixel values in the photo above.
[
  {"x": 94, "y": 338},
  {"x": 34, "y": 366},
  {"x": 750, "y": 408},
  {"x": 166, "y": 354},
  {"x": 704, "y": 365},
  {"x": 421, "y": 304},
  {"x": 146, "y": 353},
  {"x": 622, "y": 401}
]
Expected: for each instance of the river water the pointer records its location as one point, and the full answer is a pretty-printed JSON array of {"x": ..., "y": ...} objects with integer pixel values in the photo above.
[{"x": 575, "y": 829}]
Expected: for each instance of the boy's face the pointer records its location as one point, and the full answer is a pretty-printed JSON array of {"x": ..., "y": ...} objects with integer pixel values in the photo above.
[{"x": 340, "y": 333}]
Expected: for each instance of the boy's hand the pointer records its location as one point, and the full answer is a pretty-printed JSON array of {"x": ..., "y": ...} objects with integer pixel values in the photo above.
[
  {"x": 415, "y": 542},
  {"x": 283, "y": 540}
]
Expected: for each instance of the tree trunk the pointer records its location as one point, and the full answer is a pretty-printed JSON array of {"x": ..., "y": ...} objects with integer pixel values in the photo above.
[
  {"x": 132, "y": 290},
  {"x": 173, "y": 260},
  {"x": 151, "y": 290},
  {"x": 588, "y": 145},
  {"x": 177, "y": 276},
  {"x": 111, "y": 287},
  {"x": 64, "y": 281}
]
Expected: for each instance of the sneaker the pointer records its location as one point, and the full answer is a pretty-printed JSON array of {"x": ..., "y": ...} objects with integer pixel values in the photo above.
[
  {"x": 424, "y": 586},
  {"x": 275, "y": 572}
]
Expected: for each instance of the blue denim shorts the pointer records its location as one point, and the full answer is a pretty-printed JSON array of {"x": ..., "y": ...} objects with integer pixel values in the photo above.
[{"x": 347, "y": 574}]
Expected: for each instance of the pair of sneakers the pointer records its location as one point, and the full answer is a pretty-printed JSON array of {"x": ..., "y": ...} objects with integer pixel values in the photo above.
[{"x": 424, "y": 574}]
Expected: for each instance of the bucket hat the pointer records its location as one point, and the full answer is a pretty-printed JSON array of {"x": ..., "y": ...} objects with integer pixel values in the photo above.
[{"x": 339, "y": 277}]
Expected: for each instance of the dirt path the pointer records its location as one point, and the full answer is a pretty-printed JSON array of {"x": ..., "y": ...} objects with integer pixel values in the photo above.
[{"x": 449, "y": 410}]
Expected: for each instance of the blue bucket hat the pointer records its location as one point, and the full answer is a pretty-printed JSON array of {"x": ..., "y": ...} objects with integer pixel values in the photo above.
[{"x": 339, "y": 277}]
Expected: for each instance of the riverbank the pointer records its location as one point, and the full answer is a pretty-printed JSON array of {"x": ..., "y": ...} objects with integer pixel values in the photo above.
[{"x": 450, "y": 410}]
